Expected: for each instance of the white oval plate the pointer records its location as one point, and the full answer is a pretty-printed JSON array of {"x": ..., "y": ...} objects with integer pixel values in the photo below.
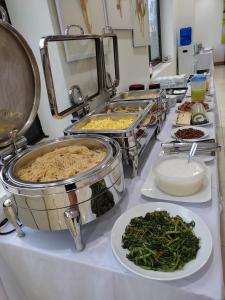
[
  {"x": 210, "y": 116},
  {"x": 202, "y": 125},
  {"x": 206, "y": 133},
  {"x": 201, "y": 230}
]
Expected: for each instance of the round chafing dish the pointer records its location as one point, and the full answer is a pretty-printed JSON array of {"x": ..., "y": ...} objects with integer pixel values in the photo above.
[
  {"x": 55, "y": 205},
  {"x": 70, "y": 202}
]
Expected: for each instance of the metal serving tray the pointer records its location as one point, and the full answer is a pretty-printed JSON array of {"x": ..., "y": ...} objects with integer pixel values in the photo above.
[
  {"x": 76, "y": 128},
  {"x": 157, "y": 96},
  {"x": 132, "y": 140},
  {"x": 144, "y": 105},
  {"x": 138, "y": 95}
]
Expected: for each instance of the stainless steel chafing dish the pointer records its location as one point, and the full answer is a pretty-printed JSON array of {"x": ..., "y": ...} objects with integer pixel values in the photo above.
[
  {"x": 61, "y": 204},
  {"x": 133, "y": 140},
  {"x": 157, "y": 96},
  {"x": 135, "y": 106},
  {"x": 138, "y": 95},
  {"x": 68, "y": 203}
]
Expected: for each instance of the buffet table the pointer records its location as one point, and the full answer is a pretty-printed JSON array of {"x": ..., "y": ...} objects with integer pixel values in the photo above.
[{"x": 45, "y": 265}]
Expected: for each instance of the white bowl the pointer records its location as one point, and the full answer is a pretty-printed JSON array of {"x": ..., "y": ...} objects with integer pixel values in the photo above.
[{"x": 175, "y": 176}]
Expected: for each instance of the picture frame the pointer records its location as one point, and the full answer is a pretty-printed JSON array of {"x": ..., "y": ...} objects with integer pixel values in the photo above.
[
  {"x": 140, "y": 17},
  {"x": 119, "y": 14},
  {"x": 70, "y": 12}
]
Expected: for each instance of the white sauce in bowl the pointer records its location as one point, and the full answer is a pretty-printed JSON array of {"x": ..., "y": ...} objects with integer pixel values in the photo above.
[
  {"x": 175, "y": 176},
  {"x": 179, "y": 167}
]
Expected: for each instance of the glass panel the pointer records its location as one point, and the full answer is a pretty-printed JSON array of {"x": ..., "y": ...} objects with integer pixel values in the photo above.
[
  {"x": 154, "y": 29},
  {"x": 69, "y": 69},
  {"x": 109, "y": 60}
]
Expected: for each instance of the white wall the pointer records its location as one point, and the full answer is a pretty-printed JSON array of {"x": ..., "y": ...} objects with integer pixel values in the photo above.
[
  {"x": 208, "y": 26},
  {"x": 205, "y": 17},
  {"x": 35, "y": 19},
  {"x": 133, "y": 61},
  {"x": 184, "y": 15},
  {"x": 168, "y": 35}
]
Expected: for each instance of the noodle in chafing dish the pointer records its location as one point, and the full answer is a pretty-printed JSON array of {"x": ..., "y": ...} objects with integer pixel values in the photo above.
[{"x": 61, "y": 163}]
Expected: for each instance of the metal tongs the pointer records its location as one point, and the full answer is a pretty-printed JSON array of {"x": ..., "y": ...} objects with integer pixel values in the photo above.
[{"x": 209, "y": 147}]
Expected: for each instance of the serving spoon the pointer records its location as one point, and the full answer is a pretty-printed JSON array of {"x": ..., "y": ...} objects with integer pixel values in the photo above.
[{"x": 192, "y": 151}]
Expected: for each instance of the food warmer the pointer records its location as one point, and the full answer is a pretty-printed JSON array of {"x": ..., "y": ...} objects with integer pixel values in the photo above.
[
  {"x": 53, "y": 205},
  {"x": 134, "y": 140}
]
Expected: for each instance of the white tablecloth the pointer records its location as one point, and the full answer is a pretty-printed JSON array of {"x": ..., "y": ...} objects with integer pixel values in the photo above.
[{"x": 44, "y": 265}]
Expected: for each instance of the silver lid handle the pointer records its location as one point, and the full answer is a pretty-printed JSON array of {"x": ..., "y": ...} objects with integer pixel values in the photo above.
[
  {"x": 67, "y": 30},
  {"x": 75, "y": 94},
  {"x": 107, "y": 29},
  {"x": 4, "y": 15}
]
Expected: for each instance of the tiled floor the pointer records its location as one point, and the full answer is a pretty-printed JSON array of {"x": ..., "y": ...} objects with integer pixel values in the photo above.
[{"x": 220, "y": 91}]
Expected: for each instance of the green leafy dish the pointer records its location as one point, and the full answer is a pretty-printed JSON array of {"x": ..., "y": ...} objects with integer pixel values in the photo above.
[{"x": 160, "y": 242}]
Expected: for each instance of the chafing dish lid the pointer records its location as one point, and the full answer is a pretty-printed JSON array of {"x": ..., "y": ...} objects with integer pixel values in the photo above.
[{"x": 19, "y": 84}]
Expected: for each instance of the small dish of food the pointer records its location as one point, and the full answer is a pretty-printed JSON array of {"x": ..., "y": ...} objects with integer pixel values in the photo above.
[
  {"x": 149, "y": 120},
  {"x": 198, "y": 114},
  {"x": 187, "y": 106},
  {"x": 190, "y": 133},
  {"x": 145, "y": 239},
  {"x": 198, "y": 117},
  {"x": 183, "y": 118}
]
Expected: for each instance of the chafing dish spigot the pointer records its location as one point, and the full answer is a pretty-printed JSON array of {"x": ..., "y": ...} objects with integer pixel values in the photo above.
[
  {"x": 11, "y": 215},
  {"x": 72, "y": 219}
]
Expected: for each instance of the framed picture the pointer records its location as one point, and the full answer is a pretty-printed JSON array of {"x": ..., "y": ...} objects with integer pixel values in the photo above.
[
  {"x": 223, "y": 28},
  {"x": 90, "y": 15},
  {"x": 119, "y": 14},
  {"x": 140, "y": 16}
]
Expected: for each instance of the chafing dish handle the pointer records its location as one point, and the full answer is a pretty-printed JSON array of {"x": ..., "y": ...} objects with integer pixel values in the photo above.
[
  {"x": 11, "y": 215},
  {"x": 4, "y": 15},
  {"x": 72, "y": 219}
]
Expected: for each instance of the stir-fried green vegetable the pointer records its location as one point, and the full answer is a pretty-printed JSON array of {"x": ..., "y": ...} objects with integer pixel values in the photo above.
[{"x": 160, "y": 242}]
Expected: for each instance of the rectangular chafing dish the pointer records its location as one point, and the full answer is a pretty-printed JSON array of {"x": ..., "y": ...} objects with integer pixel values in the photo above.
[
  {"x": 156, "y": 95},
  {"x": 136, "y": 106},
  {"x": 132, "y": 140},
  {"x": 148, "y": 108},
  {"x": 77, "y": 127},
  {"x": 138, "y": 95}
]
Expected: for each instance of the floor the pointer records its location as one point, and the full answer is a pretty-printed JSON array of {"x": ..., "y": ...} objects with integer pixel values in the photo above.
[{"x": 219, "y": 76}]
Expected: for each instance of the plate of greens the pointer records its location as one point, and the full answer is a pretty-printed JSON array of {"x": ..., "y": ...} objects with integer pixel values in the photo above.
[{"x": 161, "y": 241}]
